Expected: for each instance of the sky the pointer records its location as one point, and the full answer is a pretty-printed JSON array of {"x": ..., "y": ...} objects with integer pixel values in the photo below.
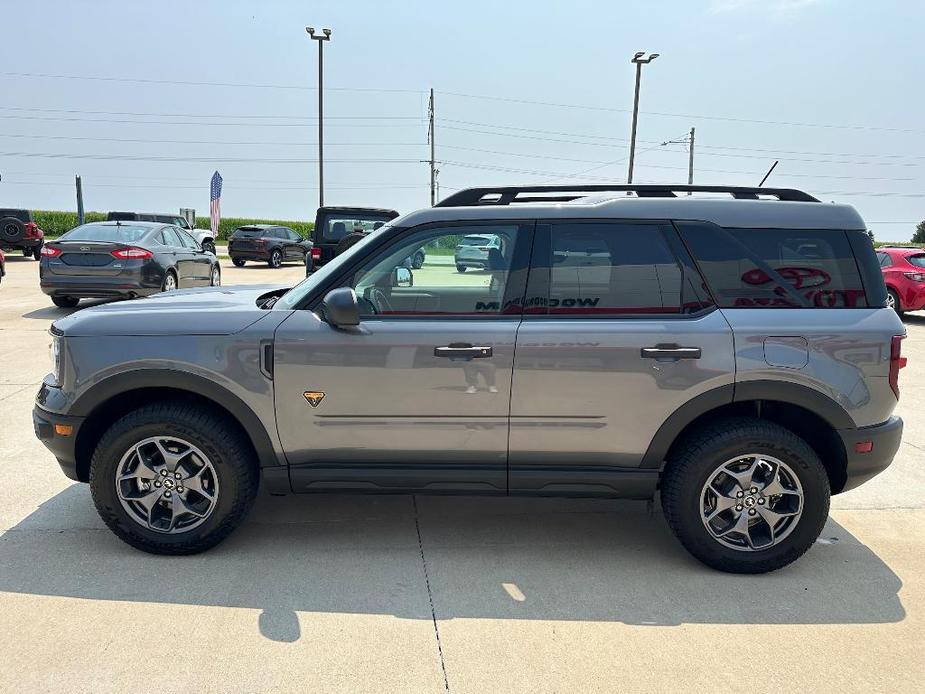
[{"x": 146, "y": 100}]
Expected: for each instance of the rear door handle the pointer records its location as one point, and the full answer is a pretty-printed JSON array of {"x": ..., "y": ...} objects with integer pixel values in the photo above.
[
  {"x": 670, "y": 352},
  {"x": 462, "y": 351}
]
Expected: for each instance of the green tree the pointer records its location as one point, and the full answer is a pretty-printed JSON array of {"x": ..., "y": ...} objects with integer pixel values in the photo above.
[{"x": 919, "y": 235}]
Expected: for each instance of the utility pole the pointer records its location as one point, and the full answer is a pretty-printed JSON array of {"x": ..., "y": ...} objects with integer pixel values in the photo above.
[
  {"x": 80, "y": 200},
  {"x": 690, "y": 160},
  {"x": 320, "y": 38},
  {"x": 431, "y": 137},
  {"x": 639, "y": 62}
]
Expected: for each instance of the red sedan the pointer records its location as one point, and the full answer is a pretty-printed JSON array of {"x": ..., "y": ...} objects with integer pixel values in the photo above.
[{"x": 904, "y": 273}]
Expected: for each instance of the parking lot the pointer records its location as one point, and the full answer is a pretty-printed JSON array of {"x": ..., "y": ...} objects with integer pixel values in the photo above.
[{"x": 431, "y": 594}]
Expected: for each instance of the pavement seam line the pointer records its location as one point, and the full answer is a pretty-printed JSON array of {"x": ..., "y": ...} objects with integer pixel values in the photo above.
[{"x": 430, "y": 595}]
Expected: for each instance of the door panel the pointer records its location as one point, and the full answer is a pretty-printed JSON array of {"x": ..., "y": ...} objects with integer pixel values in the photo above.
[
  {"x": 611, "y": 347},
  {"x": 394, "y": 415}
]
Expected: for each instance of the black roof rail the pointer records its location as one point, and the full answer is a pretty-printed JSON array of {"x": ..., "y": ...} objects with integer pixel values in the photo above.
[{"x": 506, "y": 195}]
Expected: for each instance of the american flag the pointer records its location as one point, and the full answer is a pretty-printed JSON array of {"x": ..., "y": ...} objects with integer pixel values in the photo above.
[{"x": 215, "y": 210}]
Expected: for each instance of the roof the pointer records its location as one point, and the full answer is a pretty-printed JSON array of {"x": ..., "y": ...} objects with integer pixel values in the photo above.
[
  {"x": 725, "y": 212},
  {"x": 129, "y": 222},
  {"x": 904, "y": 250}
]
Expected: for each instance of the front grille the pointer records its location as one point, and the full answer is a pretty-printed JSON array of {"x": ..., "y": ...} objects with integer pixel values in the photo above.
[{"x": 86, "y": 259}]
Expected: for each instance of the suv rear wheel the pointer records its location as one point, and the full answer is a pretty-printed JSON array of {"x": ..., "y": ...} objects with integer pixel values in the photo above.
[
  {"x": 237, "y": 262},
  {"x": 173, "y": 478},
  {"x": 276, "y": 258},
  {"x": 745, "y": 495},
  {"x": 65, "y": 301}
]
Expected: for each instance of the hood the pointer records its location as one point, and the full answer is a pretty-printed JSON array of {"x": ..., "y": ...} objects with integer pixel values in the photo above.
[{"x": 204, "y": 311}]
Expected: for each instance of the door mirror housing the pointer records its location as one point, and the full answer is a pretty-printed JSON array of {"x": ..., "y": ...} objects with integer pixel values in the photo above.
[
  {"x": 402, "y": 277},
  {"x": 340, "y": 308}
]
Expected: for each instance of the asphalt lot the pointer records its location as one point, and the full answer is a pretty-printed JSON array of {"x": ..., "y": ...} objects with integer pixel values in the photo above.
[{"x": 428, "y": 594}]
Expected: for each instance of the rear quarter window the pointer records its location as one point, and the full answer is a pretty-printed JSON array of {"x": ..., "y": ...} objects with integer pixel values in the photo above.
[
  {"x": 776, "y": 268},
  {"x": 917, "y": 260}
]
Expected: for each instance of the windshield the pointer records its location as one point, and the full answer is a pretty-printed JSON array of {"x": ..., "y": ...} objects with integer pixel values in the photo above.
[
  {"x": 917, "y": 260},
  {"x": 98, "y": 232},
  {"x": 294, "y": 296},
  {"x": 474, "y": 241}
]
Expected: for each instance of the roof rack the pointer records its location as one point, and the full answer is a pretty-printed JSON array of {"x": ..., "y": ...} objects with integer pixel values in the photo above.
[{"x": 506, "y": 195}]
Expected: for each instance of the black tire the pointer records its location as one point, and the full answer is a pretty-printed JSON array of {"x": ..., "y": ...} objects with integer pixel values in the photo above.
[
  {"x": 417, "y": 260},
  {"x": 209, "y": 247},
  {"x": 176, "y": 281},
  {"x": 227, "y": 449},
  {"x": 65, "y": 301},
  {"x": 897, "y": 304},
  {"x": 461, "y": 268},
  {"x": 276, "y": 258},
  {"x": 693, "y": 461},
  {"x": 237, "y": 262},
  {"x": 12, "y": 229},
  {"x": 348, "y": 241}
]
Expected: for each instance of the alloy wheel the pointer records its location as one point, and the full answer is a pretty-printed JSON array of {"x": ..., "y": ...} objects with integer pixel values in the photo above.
[
  {"x": 751, "y": 502},
  {"x": 216, "y": 277},
  {"x": 166, "y": 484},
  {"x": 170, "y": 282}
]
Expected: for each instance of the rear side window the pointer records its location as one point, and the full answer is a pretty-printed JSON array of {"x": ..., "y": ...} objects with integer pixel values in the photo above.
[
  {"x": 884, "y": 259},
  {"x": 776, "y": 268},
  {"x": 609, "y": 268},
  {"x": 917, "y": 260}
]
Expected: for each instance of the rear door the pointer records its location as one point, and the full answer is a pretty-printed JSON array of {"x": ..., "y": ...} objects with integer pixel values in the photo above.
[
  {"x": 180, "y": 255},
  {"x": 616, "y": 337}
]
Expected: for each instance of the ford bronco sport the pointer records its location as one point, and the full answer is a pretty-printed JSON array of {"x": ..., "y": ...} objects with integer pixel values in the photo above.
[{"x": 732, "y": 353}]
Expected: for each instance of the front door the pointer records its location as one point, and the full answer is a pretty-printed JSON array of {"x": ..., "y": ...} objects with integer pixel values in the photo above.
[
  {"x": 617, "y": 335},
  {"x": 418, "y": 396}
]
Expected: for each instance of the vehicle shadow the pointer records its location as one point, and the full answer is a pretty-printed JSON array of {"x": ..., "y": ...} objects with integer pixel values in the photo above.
[
  {"x": 916, "y": 318},
  {"x": 54, "y": 312},
  {"x": 495, "y": 558}
]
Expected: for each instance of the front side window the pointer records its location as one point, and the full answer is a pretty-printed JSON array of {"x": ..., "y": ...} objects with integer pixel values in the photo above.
[
  {"x": 609, "y": 268},
  {"x": 388, "y": 285},
  {"x": 776, "y": 268}
]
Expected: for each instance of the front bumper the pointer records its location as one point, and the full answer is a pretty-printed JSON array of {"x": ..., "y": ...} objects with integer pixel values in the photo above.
[
  {"x": 885, "y": 439},
  {"x": 63, "y": 447}
]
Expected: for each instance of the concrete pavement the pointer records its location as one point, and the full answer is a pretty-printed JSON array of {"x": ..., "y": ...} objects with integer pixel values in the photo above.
[{"x": 429, "y": 594}]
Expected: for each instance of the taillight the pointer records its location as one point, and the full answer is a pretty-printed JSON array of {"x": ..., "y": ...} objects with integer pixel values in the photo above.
[
  {"x": 260, "y": 242},
  {"x": 316, "y": 254},
  {"x": 50, "y": 251},
  {"x": 127, "y": 253},
  {"x": 915, "y": 276},
  {"x": 897, "y": 361}
]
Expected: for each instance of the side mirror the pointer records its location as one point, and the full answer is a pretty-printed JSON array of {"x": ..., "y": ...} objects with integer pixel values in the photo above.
[
  {"x": 340, "y": 308},
  {"x": 402, "y": 277}
]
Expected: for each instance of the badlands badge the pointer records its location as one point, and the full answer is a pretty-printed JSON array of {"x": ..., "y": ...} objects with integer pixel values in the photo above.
[{"x": 313, "y": 397}]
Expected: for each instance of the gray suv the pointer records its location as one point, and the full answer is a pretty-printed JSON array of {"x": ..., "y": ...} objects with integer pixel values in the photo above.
[{"x": 732, "y": 353}]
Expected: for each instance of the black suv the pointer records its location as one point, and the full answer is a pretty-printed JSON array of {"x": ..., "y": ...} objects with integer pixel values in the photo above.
[
  {"x": 18, "y": 231},
  {"x": 338, "y": 228},
  {"x": 268, "y": 243}
]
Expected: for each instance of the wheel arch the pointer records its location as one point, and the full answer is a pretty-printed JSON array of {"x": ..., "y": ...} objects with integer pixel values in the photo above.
[
  {"x": 808, "y": 413},
  {"x": 113, "y": 397}
]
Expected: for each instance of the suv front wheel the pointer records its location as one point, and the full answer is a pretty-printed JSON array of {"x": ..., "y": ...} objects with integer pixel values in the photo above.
[
  {"x": 173, "y": 478},
  {"x": 745, "y": 495}
]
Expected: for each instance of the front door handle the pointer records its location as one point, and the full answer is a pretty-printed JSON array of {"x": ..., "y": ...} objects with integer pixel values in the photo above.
[
  {"x": 462, "y": 351},
  {"x": 670, "y": 352}
]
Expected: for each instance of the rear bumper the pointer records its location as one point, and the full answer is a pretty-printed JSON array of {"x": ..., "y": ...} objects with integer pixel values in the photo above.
[
  {"x": 249, "y": 255},
  {"x": 62, "y": 447},
  {"x": 885, "y": 439},
  {"x": 22, "y": 243},
  {"x": 83, "y": 287}
]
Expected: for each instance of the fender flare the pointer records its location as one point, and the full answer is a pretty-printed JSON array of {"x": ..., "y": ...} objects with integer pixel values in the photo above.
[
  {"x": 778, "y": 391},
  {"x": 189, "y": 383}
]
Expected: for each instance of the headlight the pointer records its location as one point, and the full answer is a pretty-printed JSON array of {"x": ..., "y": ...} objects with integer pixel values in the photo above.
[{"x": 54, "y": 353}]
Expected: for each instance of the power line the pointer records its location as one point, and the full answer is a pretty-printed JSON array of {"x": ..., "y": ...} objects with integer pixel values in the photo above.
[
  {"x": 190, "y": 83},
  {"x": 134, "y": 157},
  {"x": 289, "y": 143},
  {"x": 199, "y": 115},
  {"x": 163, "y": 122}
]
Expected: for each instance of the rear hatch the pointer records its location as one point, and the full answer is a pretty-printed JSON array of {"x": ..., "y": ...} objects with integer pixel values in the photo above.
[
  {"x": 245, "y": 239},
  {"x": 91, "y": 258}
]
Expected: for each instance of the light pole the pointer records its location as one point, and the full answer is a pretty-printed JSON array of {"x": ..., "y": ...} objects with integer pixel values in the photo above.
[
  {"x": 639, "y": 61},
  {"x": 325, "y": 35}
]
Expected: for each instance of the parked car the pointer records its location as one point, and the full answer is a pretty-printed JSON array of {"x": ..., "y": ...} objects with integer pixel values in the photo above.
[
  {"x": 268, "y": 243},
  {"x": 203, "y": 237},
  {"x": 18, "y": 231},
  {"x": 333, "y": 225},
  {"x": 734, "y": 356},
  {"x": 123, "y": 260},
  {"x": 2, "y": 266},
  {"x": 904, "y": 274},
  {"x": 475, "y": 251}
]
